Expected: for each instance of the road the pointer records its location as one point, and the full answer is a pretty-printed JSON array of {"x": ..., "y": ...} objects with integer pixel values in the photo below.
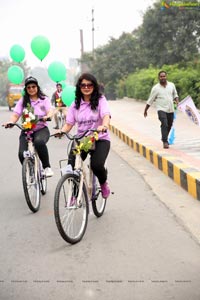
[{"x": 143, "y": 248}]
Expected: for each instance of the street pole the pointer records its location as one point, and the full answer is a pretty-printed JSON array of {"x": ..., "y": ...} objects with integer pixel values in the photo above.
[
  {"x": 82, "y": 48},
  {"x": 93, "y": 33}
]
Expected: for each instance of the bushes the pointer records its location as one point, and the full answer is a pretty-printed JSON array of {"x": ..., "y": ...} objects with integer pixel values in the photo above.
[
  {"x": 138, "y": 84},
  {"x": 186, "y": 78}
]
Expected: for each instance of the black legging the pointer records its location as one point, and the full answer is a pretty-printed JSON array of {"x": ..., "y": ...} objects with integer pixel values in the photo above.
[
  {"x": 98, "y": 158},
  {"x": 40, "y": 138}
]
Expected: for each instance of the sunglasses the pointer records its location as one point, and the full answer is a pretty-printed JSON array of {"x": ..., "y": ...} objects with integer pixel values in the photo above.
[
  {"x": 31, "y": 87},
  {"x": 86, "y": 85}
]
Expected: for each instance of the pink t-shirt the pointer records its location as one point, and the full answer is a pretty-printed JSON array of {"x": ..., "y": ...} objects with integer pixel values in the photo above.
[
  {"x": 41, "y": 108},
  {"x": 86, "y": 118}
]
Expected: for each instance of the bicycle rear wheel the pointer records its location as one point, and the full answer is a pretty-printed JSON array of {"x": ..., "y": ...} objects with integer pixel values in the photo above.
[
  {"x": 31, "y": 185},
  {"x": 98, "y": 202},
  {"x": 61, "y": 119},
  {"x": 71, "y": 217}
]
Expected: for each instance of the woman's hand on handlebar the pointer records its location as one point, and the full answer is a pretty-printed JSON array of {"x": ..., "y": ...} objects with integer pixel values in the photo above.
[
  {"x": 58, "y": 133},
  {"x": 8, "y": 125},
  {"x": 46, "y": 118},
  {"x": 102, "y": 128}
]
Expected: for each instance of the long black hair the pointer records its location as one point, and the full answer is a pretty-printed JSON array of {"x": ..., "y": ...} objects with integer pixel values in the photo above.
[
  {"x": 26, "y": 96},
  {"x": 94, "y": 100}
]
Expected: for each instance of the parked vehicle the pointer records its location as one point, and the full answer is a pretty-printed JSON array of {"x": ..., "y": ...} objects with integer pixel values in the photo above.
[{"x": 14, "y": 94}]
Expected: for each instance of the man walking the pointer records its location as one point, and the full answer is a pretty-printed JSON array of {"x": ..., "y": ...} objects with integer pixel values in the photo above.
[
  {"x": 59, "y": 105},
  {"x": 165, "y": 94}
]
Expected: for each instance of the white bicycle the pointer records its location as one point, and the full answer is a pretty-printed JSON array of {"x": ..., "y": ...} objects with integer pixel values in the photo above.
[{"x": 72, "y": 195}]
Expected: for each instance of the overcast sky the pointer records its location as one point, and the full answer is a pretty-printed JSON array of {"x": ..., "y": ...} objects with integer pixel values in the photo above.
[{"x": 60, "y": 21}]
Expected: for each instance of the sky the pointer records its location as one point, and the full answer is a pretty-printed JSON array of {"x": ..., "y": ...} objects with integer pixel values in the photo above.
[{"x": 60, "y": 22}]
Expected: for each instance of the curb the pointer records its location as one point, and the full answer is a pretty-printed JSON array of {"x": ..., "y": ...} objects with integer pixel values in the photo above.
[{"x": 184, "y": 175}]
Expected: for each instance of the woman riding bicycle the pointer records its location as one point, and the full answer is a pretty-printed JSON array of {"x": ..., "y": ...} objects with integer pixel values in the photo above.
[
  {"x": 34, "y": 97},
  {"x": 91, "y": 111}
]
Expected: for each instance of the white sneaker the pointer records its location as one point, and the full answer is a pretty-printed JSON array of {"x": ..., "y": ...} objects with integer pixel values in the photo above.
[
  {"x": 48, "y": 172},
  {"x": 67, "y": 169}
]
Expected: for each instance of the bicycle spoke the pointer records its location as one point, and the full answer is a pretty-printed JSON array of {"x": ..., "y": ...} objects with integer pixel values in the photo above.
[
  {"x": 71, "y": 219},
  {"x": 31, "y": 185}
]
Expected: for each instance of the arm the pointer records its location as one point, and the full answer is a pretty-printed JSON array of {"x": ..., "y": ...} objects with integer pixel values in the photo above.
[
  {"x": 175, "y": 95},
  {"x": 14, "y": 118},
  {"x": 145, "y": 110},
  {"x": 48, "y": 115},
  {"x": 151, "y": 99},
  {"x": 66, "y": 128},
  {"x": 105, "y": 123},
  {"x": 48, "y": 109}
]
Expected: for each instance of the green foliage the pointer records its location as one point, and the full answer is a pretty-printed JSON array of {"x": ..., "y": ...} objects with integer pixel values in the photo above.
[
  {"x": 114, "y": 61},
  {"x": 4, "y": 82},
  {"x": 166, "y": 38},
  {"x": 169, "y": 36},
  {"x": 186, "y": 79},
  {"x": 138, "y": 84}
]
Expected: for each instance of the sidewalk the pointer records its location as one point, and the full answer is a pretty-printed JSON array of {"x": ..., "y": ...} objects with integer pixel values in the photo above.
[{"x": 181, "y": 161}]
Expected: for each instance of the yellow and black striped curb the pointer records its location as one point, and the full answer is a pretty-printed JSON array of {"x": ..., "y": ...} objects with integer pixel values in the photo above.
[{"x": 184, "y": 175}]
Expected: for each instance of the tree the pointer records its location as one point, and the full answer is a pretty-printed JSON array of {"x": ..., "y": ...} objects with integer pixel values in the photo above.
[
  {"x": 166, "y": 37},
  {"x": 113, "y": 61},
  {"x": 4, "y": 82},
  {"x": 169, "y": 36}
]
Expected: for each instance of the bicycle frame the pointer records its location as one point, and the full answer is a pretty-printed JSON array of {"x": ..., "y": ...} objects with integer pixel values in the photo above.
[
  {"x": 76, "y": 193},
  {"x": 32, "y": 153},
  {"x": 80, "y": 167},
  {"x": 33, "y": 188}
]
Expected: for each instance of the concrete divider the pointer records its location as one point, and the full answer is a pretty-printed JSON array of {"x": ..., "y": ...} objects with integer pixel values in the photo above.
[{"x": 182, "y": 173}]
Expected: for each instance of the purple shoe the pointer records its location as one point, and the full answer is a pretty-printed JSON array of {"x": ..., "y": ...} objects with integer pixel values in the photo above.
[
  {"x": 105, "y": 190},
  {"x": 72, "y": 201}
]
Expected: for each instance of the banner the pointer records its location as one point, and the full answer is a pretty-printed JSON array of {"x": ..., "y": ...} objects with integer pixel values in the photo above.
[{"x": 188, "y": 107}]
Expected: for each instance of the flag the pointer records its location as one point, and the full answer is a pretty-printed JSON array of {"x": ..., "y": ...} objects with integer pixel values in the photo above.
[{"x": 188, "y": 107}]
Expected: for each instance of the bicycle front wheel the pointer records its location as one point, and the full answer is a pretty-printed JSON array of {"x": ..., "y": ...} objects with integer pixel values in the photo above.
[
  {"x": 98, "y": 202},
  {"x": 31, "y": 185},
  {"x": 71, "y": 217}
]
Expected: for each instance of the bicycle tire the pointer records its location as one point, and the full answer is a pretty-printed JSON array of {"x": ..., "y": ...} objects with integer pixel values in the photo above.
[
  {"x": 43, "y": 184},
  {"x": 31, "y": 185},
  {"x": 71, "y": 218},
  {"x": 98, "y": 202}
]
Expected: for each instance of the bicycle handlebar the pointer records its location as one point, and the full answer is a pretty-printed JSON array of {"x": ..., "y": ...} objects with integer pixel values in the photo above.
[
  {"x": 10, "y": 125},
  {"x": 75, "y": 136}
]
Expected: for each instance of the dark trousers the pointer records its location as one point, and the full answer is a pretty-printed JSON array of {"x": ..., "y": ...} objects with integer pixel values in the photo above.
[
  {"x": 40, "y": 138},
  {"x": 98, "y": 158},
  {"x": 166, "y": 120}
]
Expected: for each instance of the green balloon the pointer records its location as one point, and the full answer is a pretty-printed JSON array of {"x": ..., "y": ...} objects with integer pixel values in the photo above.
[
  {"x": 40, "y": 46},
  {"x": 17, "y": 53},
  {"x": 15, "y": 74},
  {"x": 57, "y": 71},
  {"x": 68, "y": 95}
]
